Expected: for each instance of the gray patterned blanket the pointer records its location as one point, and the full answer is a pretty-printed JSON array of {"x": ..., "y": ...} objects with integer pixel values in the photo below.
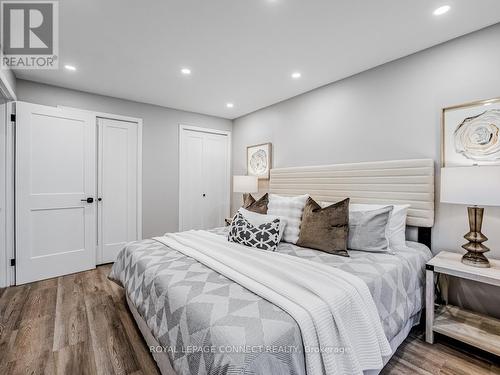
[{"x": 209, "y": 324}]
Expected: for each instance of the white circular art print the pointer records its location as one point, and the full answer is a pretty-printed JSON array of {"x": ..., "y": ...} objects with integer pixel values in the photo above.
[
  {"x": 258, "y": 162},
  {"x": 478, "y": 137},
  {"x": 471, "y": 134}
]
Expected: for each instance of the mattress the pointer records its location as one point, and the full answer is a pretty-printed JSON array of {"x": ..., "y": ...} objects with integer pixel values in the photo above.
[{"x": 206, "y": 323}]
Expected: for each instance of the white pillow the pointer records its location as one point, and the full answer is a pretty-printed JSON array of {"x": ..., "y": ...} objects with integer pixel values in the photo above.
[
  {"x": 291, "y": 209},
  {"x": 396, "y": 230},
  {"x": 257, "y": 219}
]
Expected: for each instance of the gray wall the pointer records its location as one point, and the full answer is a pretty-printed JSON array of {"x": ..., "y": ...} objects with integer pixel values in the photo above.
[
  {"x": 160, "y": 145},
  {"x": 390, "y": 112}
]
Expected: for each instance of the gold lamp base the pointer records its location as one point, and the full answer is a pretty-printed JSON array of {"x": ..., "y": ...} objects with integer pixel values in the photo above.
[{"x": 475, "y": 248}]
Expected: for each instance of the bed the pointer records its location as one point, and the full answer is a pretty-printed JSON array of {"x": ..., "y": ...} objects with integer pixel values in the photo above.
[{"x": 198, "y": 321}]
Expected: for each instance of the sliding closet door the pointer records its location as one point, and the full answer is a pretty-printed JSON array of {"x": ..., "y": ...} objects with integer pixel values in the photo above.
[
  {"x": 55, "y": 192},
  {"x": 118, "y": 186},
  {"x": 204, "y": 178}
]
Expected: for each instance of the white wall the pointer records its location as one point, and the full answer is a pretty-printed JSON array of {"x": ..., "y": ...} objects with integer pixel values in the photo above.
[
  {"x": 160, "y": 145},
  {"x": 390, "y": 112}
]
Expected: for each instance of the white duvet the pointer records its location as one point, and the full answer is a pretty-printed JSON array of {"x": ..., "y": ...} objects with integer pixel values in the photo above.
[{"x": 339, "y": 323}]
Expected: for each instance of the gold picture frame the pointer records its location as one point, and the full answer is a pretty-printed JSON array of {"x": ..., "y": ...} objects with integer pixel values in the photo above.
[
  {"x": 454, "y": 116},
  {"x": 259, "y": 160}
]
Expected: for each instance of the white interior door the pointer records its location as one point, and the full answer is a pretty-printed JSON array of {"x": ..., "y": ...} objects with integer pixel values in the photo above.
[
  {"x": 204, "y": 178},
  {"x": 191, "y": 180},
  {"x": 55, "y": 174},
  {"x": 118, "y": 186},
  {"x": 215, "y": 177}
]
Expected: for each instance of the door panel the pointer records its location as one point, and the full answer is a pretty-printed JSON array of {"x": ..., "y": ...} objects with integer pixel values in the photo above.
[
  {"x": 192, "y": 180},
  {"x": 118, "y": 186},
  {"x": 215, "y": 173},
  {"x": 55, "y": 171},
  {"x": 204, "y": 179}
]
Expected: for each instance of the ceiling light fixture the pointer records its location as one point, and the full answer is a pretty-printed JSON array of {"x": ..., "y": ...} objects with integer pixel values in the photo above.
[
  {"x": 229, "y": 105},
  {"x": 441, "y": 10},
  {"x": 296, "y": 75},
  {"x": 70, "y": 67},
  {"x": 186, "y": 71}
]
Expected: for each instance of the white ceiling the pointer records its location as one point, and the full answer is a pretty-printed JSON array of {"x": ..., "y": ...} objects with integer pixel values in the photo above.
[{"x": 242, "y": 51}]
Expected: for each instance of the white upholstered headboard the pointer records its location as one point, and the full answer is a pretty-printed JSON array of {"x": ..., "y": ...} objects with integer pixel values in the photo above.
[{"x": 385, "y": 182}]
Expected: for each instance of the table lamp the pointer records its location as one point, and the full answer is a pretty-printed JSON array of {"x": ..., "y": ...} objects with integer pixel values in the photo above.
[
  {"x": 245, "y": 185},
  {"x": 475, "y": 186}
]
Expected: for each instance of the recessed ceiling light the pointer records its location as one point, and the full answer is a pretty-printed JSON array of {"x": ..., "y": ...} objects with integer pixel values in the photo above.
[
  {"x": 441, "y": 10},
  {"x": 296, "y": 75},
  {"x": 70, "y": 67},
  {"x": 186, "y": 71},
  {"x": 229, "y": 105}
]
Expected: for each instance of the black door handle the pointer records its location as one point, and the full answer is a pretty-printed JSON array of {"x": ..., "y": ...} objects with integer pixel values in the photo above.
[{"x": 88, "y": 200}]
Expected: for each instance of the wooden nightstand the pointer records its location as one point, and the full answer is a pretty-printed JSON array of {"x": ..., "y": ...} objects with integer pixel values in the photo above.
[{"x": 472, "y": 328}]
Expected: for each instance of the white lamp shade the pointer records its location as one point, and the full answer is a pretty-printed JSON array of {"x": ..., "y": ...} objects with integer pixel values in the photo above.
[
  {"x": 245, "y": 184},
  {"x": 477, "y": 185}
]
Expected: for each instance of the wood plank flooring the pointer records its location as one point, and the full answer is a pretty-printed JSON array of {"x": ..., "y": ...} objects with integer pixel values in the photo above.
[{"x": 80, "y": 324}]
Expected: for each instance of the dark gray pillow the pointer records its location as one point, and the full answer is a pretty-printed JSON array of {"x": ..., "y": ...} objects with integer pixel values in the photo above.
[{"x": 368, "y": 230}]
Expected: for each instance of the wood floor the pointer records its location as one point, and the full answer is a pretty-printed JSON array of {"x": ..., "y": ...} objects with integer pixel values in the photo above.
[{"x": 80, "y": 324}]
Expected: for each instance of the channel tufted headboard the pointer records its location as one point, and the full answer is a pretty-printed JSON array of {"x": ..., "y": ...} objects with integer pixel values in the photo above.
[{"x": 385, "y": 182}]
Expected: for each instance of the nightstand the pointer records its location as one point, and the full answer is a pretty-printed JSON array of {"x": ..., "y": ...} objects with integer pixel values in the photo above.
[{"x": 470, "y": 327}]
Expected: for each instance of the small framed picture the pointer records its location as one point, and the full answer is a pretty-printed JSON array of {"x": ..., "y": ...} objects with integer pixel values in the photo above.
[
  {"x": 259, "y": 160},
  {"x": 471, "y": 134}
]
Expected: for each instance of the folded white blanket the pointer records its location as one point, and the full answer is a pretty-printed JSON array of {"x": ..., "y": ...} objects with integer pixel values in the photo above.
[{"x": 339, "y": 323}]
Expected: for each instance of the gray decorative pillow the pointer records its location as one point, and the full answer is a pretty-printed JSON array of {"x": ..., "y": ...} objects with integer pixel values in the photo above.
[
  {"x": 264, "y": 237},
  {"x": 368, "y": 230}
]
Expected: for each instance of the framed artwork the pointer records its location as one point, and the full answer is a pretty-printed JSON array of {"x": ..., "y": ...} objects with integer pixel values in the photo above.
[
  {"x": 471, "y": 134},
  {"x": 259, "y": 160}
]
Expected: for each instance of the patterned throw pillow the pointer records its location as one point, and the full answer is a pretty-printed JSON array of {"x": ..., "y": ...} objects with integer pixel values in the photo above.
[{"x": 264, "y": 236}]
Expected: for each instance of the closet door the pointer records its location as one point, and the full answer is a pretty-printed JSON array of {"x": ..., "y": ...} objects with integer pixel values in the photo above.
[
  {"x": 191, "y": 180},
  {"x": 215, "y": 177},
  {"x": 118, "y": 186},
  {"x": 204, "y": 178},
  {"x": 55, "y": 192}
]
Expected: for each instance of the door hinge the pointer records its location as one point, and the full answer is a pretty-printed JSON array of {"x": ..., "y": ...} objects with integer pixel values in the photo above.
[
  {"x": 13, "y": 117},
  {"x": 13, "y": 262}
]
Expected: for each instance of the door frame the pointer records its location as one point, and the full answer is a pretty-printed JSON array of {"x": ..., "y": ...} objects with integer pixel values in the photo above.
[
  {"x": 7, "y": 275},
  {"x": 182, "y": 129},
  {"x": 3, "y": 192}
]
